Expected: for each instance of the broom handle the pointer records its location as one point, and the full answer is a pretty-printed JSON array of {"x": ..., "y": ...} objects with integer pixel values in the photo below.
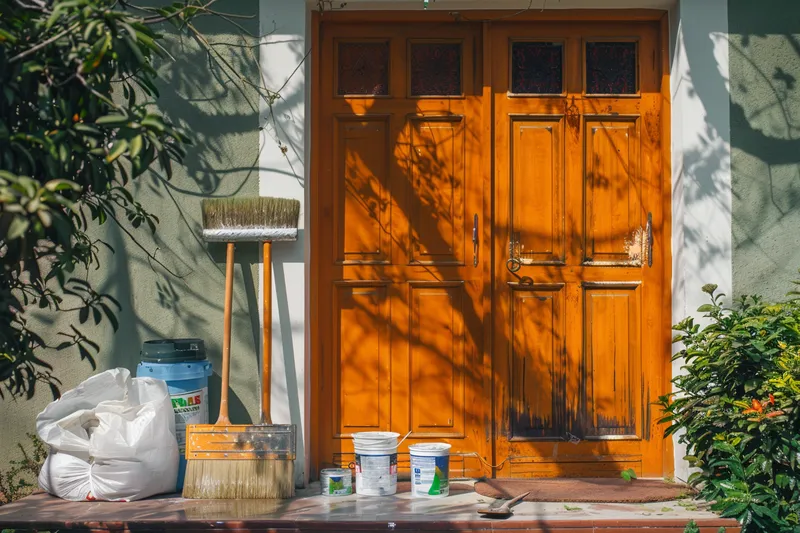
[
  {"x": 266, "y": 338},
  {"x": 223, "y": 419}
]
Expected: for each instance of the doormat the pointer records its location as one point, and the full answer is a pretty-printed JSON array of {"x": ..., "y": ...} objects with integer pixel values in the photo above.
[{"x": 588, "y": 490}]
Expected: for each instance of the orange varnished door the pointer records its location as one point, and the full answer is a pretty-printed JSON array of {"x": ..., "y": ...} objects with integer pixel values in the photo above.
[
  {"x": 401, "y": 285},
  {"x": 578, "y": 357}
]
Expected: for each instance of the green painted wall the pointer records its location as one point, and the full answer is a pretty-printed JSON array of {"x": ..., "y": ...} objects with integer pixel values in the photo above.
[
  {"x": 223, "y": 120},
  {"x": 765, "y": 144}
]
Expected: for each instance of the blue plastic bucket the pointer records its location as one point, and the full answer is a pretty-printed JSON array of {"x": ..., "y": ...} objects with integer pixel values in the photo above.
[{"x": 182, "y": 364}]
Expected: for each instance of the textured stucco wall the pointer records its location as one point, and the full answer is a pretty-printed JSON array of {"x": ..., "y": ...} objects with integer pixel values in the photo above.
[
  {"x": 223, "y": 120},
  {"x": 765, "y": 143}
]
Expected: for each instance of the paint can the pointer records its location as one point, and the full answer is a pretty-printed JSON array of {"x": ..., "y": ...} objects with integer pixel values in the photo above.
[
  {"x": 183, "y": 365},
  {"x": 430, "y": 470},
  {"x": 336, "y": 481},
  {"x": 376, "y": 462}
]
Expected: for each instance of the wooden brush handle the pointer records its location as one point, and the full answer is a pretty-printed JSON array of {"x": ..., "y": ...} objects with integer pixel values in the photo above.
[
  {"x": 266, "y": 338},
  {"x": 223, "y": 419}
]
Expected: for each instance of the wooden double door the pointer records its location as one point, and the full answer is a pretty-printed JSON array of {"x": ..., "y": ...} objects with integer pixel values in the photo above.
[{"x": 489, "y": 217}]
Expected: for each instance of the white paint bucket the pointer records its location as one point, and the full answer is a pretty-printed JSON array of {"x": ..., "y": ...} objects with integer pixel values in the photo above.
[
  {"x": 336, "y": 481},
  {"x": 376, "y": 462},
  {"x": 430, "y": 470}
]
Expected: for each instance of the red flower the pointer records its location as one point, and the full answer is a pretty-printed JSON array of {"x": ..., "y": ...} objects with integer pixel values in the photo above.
[{"x": 756, "y": 407}]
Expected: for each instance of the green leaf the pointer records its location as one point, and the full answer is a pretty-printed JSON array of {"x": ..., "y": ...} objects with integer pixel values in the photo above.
[
  {"x": 30, "y": 67},
  {"x": 709, "y": 288},
  {"x": 147, "y": 41},
  {"x": 762, "y": 510},
  {"x": 90, "y": 29},
  {"x": 62, "y": 185},
  {"x": 154, "y": 122},
  {"x": 117, "y": 150},
  {"x": 734, "y": 510},
  {"x": 6, "y": 36},
  {"x": 85, "y": 128},
  {"x": 724, "y": 447},
  {"x": 135, "y": 146},
  {"x": 113, "y": 120},
  {"x": 134, "y": 47},
  {"x": 628, "y": 474},
  {"x": 705, "y": 308},
  {"x": 17, "y": 228},
  {"x": 751, "y": 385},
  {"x": 99, "y": 50}
]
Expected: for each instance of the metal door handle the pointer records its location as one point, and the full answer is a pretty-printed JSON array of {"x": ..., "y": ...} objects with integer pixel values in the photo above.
[
  {"x": 649, "y": 231},
  {"x": 513, "y": 264},
  {"x": 475, "y": 240}
]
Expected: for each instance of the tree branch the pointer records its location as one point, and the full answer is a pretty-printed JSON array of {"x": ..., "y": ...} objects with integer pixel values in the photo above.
[
  {"x": 45, "y": 43},
  {"x": 150, "y": 256}
]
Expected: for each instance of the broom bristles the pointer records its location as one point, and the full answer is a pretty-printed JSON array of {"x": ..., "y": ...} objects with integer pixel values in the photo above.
[
  {"x": 259, "y": 212},
  {"x": 243, "y": 479}
]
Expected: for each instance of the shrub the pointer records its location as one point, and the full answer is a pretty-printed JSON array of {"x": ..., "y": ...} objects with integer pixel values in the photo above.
[
  {"x": 738, "y": 405},
  {"x": 20, "y": 480}
]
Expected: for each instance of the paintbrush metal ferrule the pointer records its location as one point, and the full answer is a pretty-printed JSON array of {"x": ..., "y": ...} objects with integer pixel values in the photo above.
[
  {"x": 249, "y": 234},
  {"x": 238, "y": 441}
]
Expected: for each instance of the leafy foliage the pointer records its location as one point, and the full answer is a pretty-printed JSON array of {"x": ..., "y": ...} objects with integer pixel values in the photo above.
[
  {"x": 79, "y": 122},
  {"x": 738, "y": 406},
  {"x": 629, "y": 474},
  {"x": 20, "y": 479},
  {"x": 691, "y": 527}
]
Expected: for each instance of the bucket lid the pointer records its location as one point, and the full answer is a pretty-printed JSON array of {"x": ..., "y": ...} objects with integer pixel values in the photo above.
[
  {"x": 375, "y": 435},
  {"x": 335, "y": 472},
  {"x": 430, "y": 448},
  {"x": 173, "y": 351}
]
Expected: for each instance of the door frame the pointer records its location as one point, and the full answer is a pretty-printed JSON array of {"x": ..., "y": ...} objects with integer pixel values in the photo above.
[{"x": 487, "y": 165}]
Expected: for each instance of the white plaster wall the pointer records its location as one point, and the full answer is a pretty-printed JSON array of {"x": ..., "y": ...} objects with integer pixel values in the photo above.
[
  {"x": 282, "y": 172},
  {"x": 701, "y": 175},
  {"x": 701, "y": 154}
]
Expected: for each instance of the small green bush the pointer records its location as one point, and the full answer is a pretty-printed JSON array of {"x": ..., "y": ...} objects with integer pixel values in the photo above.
[
  {"x": 21, "y": 479},
  {"x": 737, "y": 403}
]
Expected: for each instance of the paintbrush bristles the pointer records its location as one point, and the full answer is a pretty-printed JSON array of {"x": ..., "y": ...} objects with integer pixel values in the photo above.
[
  {"x": 261, "y": 212},
  {"x": 212, "y": 479}
]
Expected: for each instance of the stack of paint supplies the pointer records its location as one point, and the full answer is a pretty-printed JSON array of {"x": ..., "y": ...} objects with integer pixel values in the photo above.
[{"x": 376, "y": 468}]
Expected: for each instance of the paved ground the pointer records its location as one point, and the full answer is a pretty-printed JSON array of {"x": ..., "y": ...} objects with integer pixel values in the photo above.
[{"x": 310, "y": 511}]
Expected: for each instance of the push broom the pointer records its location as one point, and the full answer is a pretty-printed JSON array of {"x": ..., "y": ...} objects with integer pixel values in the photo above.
[{"x": 225, "y": 460}]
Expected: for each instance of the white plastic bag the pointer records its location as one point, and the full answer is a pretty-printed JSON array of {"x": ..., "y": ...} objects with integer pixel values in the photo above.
[{"x": 111, "y": 438}]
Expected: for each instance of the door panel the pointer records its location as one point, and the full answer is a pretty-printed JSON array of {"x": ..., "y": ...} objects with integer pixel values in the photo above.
[
  {"x": 538, "y": 362},
  {"x": 437, "y": 351},
  {"x": 437, "y": 190},
  {"x": 576, "y": 177},
  {"x": 362, "y": 366},
  {"x": 612, "y": 361},
  {"x": 398, "y": 189},
  {"x": 362, "y": 200},
  {"x": 612, "y": 189},
  {"x": 537, "y": 188}
]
